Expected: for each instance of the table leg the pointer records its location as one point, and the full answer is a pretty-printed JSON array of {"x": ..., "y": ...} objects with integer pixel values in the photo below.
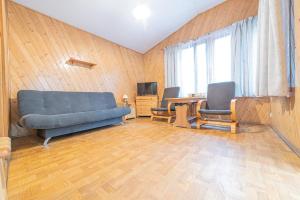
[
  {"x": 182, "y": 116},
  {"x": 185, "y": 114}
]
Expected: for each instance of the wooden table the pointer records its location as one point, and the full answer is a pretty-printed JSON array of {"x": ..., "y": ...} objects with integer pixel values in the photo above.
[{"x": 186, "y": 111}]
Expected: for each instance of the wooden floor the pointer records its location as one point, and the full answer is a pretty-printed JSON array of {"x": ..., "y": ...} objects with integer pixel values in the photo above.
[{"x": 153, "y": 160}]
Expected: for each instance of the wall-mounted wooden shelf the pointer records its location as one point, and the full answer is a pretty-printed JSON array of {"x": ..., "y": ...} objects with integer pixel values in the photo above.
[{"x": 80, "y": 63}]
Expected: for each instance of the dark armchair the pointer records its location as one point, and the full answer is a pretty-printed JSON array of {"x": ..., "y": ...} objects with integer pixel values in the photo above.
[
  {"x": 166, "y": 110},
  {"x": 220, "y": 102}
]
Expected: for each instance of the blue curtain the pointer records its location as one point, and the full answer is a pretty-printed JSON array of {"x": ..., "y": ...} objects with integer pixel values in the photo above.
[{"x": 289, "y": 36}]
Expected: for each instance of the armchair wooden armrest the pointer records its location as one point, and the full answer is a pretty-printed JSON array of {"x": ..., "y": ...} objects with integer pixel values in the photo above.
[
  {"x": 233, "y": 110},
  {"x": 200, "y": 104},
  {"x": 169, "y": 108}
]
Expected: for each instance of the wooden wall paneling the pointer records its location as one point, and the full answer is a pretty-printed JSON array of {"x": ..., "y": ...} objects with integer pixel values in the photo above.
[
  {"x": 5, "y": 145},
  {"x": 39, "y": 47},
  {"x": 254, "y": 110},
  {"x": 4, "y": 73},
  {"x": 286, "y": 111},
  {"x": 216, "y": 18},
  {"x": 285, "y": 118}
]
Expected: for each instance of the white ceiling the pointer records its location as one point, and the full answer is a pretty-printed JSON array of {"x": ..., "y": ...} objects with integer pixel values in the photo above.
[{"x": 114, "y": 21}]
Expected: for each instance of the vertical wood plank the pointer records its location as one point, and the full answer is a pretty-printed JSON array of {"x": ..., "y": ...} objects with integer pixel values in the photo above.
[{"x": 4, "y": 74}]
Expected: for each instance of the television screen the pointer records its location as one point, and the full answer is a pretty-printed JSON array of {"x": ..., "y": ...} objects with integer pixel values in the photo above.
[{"x": 144, "y": 89}]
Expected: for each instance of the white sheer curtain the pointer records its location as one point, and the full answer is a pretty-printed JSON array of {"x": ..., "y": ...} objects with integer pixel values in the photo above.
[
  {"x": 224, "y": 55},
  {"x": 244, "y": 56},
  {"x": 271, "y": 71},
  {"x": 259, "y": 52},
  {"x": 176, "y": 67},
  {"x": 172, "y": 67}
]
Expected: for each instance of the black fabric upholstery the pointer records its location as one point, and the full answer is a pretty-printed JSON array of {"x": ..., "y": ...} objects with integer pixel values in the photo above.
[
  {"x": 215, "y": 112},
  {"x": 54, "y": 102},
  {"x": 219, "y": 95},
  {"x": 59, "y": 113},
  {"x": 162, "y": 109},
  {"x": 171, "y": 92}
]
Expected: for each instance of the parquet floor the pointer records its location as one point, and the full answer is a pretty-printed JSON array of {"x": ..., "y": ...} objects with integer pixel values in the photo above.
[{"x": 153, "y": 160}]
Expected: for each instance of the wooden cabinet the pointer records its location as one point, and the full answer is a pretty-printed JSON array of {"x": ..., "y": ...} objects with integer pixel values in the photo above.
[{"x": 144, "y": 105}]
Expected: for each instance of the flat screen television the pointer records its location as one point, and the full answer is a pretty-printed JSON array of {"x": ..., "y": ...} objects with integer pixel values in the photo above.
[{"x": 149, "y": 88}]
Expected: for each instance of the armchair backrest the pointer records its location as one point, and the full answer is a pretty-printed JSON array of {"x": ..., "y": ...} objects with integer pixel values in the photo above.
[
  {"x": 219, "y": 95},
  {"x": 171, "y": 92}
]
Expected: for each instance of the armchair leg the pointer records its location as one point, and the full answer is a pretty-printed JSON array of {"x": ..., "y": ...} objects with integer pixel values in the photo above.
[
  {"x": 233, "y": 127},
  {"x": 199, "y": 123}
]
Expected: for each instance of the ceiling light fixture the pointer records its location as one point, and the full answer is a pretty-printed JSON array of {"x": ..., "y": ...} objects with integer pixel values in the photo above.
[{"x": 141, "y": 13}]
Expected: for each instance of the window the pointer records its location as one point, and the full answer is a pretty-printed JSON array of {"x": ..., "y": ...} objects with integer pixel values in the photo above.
[
  {"x": 203, "y": 64},
  {"x": 201, "y": 76},
  {"x": 187, "y": 72},
  {"x": 229, "y": 54},
  {"x": 222, "y": 59}
]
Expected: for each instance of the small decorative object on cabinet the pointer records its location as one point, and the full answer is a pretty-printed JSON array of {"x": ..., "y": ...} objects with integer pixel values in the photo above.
[
  {"x": 125, "y": 99},
  {"x": 144, "y": 105}
]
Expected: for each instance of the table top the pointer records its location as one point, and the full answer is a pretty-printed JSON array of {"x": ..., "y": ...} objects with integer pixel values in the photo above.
[{"x": 184, "y": 99}]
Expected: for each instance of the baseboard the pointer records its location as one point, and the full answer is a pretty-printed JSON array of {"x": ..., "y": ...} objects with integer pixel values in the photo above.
[{"x": 287, "y": 142}]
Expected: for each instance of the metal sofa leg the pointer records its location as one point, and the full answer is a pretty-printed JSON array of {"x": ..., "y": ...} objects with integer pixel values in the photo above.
[{"x": 46, "y": 141}]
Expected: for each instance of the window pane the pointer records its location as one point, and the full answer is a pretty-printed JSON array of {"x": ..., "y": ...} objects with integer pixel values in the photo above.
[
  {"x": 222, "y": 59},
  {"x": 187, "y": 72},
  {"x": 201, "y": 69}
]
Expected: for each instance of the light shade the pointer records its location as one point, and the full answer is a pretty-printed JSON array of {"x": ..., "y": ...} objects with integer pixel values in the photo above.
[
  {"x": 125, "y": 96},
  {"x": 142, "y": 12}
]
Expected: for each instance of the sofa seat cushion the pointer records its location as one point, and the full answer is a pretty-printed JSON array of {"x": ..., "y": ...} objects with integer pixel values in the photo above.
[{"x": 37, "y": 121}]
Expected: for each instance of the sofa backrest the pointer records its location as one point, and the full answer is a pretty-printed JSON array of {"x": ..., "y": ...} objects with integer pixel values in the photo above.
[{"x": 53, "y": 102}]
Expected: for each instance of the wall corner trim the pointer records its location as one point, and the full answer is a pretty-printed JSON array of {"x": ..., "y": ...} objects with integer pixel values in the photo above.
[{"x": 287, "y": 142}]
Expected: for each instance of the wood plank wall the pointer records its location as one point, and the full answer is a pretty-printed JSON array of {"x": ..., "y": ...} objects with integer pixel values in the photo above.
[
  {"x": 250, "y": 110},
  {"x": 286, "y": 111},
  {"x": 4, "y": 74},
  {"x": 39, "y": 46},
  {"x": 5, "y": 146}
]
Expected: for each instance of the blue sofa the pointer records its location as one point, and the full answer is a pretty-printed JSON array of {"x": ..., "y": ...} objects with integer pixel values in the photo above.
[{"x": 55, "y": 113}]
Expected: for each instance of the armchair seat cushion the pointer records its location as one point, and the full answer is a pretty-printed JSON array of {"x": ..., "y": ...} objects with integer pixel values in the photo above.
[
  {"x": 215, "y": 112},
  {"x": 162, "y": 109}
]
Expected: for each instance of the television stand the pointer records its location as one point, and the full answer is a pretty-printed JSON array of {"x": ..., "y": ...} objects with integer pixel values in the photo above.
[{"x": 144, "y": 105}]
